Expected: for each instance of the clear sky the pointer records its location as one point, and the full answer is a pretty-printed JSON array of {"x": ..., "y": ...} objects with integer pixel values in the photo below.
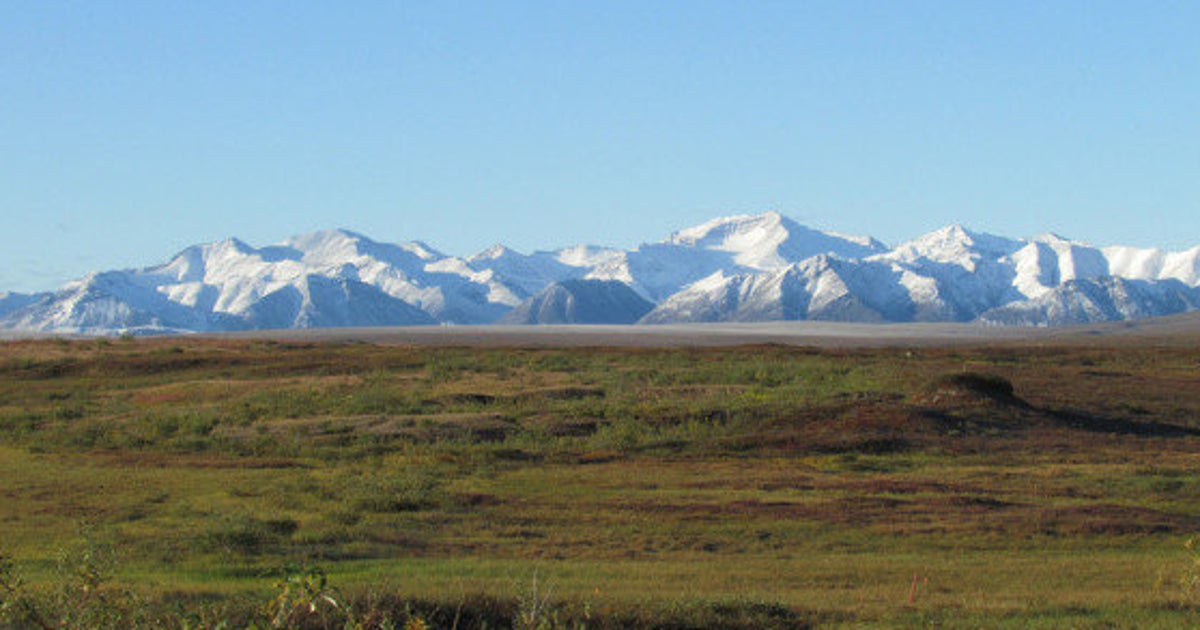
[{"x": 130, "y": 130}]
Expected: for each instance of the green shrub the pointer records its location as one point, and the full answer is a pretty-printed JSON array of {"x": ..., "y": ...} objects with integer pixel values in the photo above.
[
  {"x": 245, "y": 535},
  {"x": 405, "y": 489}
]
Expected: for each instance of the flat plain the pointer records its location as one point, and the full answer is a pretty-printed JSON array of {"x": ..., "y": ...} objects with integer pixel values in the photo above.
[{"x": 752, "y": 476}]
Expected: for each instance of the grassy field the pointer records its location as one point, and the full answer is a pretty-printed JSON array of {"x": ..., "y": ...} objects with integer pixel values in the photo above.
[{"x": 190, "y": 483}]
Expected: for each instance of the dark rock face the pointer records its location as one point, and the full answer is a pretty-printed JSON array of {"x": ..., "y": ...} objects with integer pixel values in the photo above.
[{"x": 581, "y": 302}]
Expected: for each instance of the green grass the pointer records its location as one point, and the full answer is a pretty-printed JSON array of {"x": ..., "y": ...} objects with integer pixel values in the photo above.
[{"x": 759, "y": 486}]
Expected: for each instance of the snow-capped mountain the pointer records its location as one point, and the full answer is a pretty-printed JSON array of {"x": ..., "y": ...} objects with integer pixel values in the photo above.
[
  {"x": 770, "y": 241},
  {"x": 822, "y": 287},
  {"x": 739, "y": 245},
  {"x": 740, "y": 268},
  {"x": 530, "y": 274},
  {"x": 1106, "y": 298}
]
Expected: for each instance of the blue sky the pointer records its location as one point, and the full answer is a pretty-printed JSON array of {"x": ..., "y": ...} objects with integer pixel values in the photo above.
[{"x": 130, "y": 130}]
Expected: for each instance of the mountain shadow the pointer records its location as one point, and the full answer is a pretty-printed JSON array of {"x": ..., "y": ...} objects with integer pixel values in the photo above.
[{"x": 581, "y": 302}]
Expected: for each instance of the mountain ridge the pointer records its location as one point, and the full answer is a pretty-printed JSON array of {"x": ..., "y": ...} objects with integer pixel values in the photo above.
[{"x": 763, "y": 267}]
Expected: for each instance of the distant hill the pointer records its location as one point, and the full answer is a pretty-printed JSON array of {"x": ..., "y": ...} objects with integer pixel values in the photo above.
[{"x": 581, "y": 302}]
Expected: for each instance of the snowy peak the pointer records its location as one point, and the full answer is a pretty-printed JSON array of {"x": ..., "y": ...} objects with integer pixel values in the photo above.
[
  {"x": 1050, "y": 238},
  {"x": 495, "y": 252},
  {"x": 726, "y": 233},
  {"x": 233, "y": 247},
  {"x": 954, "y": 244},
  {"x": 738, "y": 268},
  {"x": 586, "y": 255},
  {"x": 332, "y": 247},
  {"x": 327, "y": 244},
  {"x": 770, "y": 241},
  {"x": 421, "y": 250},
  {"x": 1149, "y": 264}
]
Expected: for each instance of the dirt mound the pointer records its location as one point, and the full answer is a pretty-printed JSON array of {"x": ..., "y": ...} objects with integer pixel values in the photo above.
[{"x": 972, "y": 385}]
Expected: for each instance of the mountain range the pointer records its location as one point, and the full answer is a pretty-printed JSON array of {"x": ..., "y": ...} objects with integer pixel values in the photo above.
[{"x": 745, "y": 268}]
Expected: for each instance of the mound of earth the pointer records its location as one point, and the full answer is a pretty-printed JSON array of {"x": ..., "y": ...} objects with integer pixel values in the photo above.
[{"x": 965, "y": 387}]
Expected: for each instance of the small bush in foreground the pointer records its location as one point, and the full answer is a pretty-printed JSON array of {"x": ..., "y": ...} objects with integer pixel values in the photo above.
[
  {"x": 1189, "y": 579},
  {"x": 85, "y": 598}
]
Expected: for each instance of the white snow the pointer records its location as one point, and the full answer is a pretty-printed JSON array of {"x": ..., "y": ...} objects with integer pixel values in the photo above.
[{"x": 733, "y": 268}]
